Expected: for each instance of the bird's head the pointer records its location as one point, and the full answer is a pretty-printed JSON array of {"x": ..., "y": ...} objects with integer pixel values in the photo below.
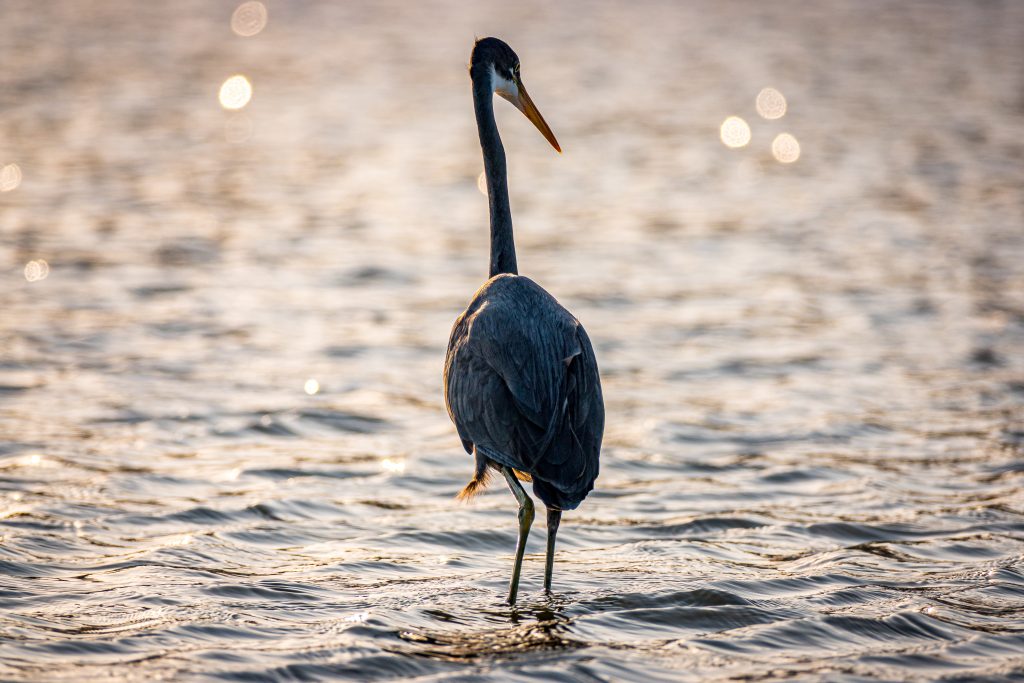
[{"x": 493, "y": 59}]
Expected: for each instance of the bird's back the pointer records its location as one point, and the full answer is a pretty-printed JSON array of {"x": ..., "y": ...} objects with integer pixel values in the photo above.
[{"x": 522, "y": 386}]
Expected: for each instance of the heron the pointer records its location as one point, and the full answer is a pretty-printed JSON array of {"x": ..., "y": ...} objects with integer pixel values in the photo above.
[{"x": 521, "y": 381}]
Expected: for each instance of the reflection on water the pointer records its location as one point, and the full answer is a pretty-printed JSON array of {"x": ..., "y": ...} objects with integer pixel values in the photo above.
[
  {"x": 770, "y": 103},
  {"x": 235, "y": 92},
  {"x": 735, "y": 132},
  {"x": 36, "y": 269},
  {"x": 249, "y": 18},
  {"x": 785, "y": 148},
  {"x": 540, "y": 630},
  {"x": 223, "y": 449},
  {"x": 10, "y": 177}
]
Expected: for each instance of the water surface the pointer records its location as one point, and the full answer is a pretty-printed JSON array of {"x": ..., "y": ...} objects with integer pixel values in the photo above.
[{"x": 814, "y": 456}]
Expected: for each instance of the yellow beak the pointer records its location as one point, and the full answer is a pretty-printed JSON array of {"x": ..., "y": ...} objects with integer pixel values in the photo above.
[{"x": 525, "y": 104}]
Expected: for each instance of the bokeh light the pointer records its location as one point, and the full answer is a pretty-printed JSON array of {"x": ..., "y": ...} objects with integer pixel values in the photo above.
[
  {"x": 785, "y": 148},
  {"x": 177, "y": 540},
  {"x": 735, "y": 132},
  {"x": 36, "y": 270},
  {"x": 235, "y": 93},
  {"x": 10, "y": 177},
  {"x": 249, "y": 18},
  {"x": 771, "y": 104},
  {"x": 393, "y": 465},
  {"x": 311, "y": 386}
]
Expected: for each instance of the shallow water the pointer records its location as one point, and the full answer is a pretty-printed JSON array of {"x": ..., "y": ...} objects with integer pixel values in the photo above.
[{"x": 813, "y": 373}]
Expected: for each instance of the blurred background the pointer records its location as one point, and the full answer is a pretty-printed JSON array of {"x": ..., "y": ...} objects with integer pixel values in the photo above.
[{"x": 234, "y": 236}]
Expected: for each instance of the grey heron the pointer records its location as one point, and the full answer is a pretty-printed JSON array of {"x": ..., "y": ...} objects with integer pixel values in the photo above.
[{"x": 520, "y": 378}]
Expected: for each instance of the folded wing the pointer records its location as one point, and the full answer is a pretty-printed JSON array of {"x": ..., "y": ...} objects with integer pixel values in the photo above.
[{"x": 522, "y": 386}]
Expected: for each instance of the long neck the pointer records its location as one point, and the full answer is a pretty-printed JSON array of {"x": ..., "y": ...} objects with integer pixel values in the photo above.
[{"x": 503, "y": 248}]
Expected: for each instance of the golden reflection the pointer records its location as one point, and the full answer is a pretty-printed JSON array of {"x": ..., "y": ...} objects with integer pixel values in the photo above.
[
  {"x": 10, "y": 177},
  {"x": 357, "y": 618},
  {"x": 177, "y": 539},
  {"x": 771, "y": 104},
  {"x": 393, "y": 465},
  {"x": 37, "y": 460},
  {"x": 735, "y": 132},
  {"x": 235, "y": 93},
  {"x": 481, "y": 183},
  {"x": 249, "y": 18},
  {"x": 785, "y": 148},
  {"x": 311, "y": 386},
  {"x": 36, "y": 270}
]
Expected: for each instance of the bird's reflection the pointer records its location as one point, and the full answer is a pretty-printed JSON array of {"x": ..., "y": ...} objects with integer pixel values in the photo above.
[
  {"x": 547, "y": 615},
  {"x": 531, "y": 627}
]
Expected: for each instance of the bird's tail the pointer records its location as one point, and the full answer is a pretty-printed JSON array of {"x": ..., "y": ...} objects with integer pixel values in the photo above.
[{"x": 480, "y": 477}]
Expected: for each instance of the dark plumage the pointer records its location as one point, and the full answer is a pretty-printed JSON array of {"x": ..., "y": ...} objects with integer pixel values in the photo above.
[
  {"x": 520, "y": 378},
  {"x": 488, "y": 51},
  {"x": 522, "y": 387}
]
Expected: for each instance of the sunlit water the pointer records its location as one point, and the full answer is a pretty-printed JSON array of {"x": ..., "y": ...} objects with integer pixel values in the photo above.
[{"x": 223, "y": 449}]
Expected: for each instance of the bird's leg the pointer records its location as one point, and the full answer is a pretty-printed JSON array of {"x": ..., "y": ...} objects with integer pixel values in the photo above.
[
  {"x": 525, "y": 520},
  {"x": 554, "y": 517}
]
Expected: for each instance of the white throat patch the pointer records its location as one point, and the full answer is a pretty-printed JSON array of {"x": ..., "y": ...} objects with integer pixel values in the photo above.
[{"x": 504, "y": 87}]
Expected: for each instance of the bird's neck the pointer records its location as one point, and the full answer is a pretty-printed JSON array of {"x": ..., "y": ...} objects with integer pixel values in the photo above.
[{"x": 503, "y": 248}]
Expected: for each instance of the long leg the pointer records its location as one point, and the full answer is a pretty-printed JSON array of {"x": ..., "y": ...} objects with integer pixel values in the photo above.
[
  {"x": 554, "y": 517},
  {"x": 525, "y": 520}
]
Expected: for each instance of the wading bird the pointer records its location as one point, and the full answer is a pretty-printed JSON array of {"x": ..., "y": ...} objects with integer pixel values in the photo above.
[{"x": 520, "y": 378}]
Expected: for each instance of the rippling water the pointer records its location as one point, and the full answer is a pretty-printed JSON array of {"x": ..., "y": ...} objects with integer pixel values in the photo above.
[{"x": 813, "y": 371}]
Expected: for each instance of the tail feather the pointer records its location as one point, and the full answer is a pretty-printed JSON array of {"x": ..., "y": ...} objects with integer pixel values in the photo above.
[
  {"x": 476, "y": 484},
  {"x": 480, "y": 478},
  {"x": 482, "y": 475},
  {"x": 474, "y": 487}
]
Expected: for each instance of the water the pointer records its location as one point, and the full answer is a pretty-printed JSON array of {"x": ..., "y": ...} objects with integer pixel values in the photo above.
[{"x": 813, "y": 372}]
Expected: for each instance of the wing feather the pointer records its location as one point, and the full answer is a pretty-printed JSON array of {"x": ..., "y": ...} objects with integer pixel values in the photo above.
[{"x": 522, "y": 385}]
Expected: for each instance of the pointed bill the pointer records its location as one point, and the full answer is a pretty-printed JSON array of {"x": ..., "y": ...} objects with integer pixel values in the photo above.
[{"x": 525, "y": 104}]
